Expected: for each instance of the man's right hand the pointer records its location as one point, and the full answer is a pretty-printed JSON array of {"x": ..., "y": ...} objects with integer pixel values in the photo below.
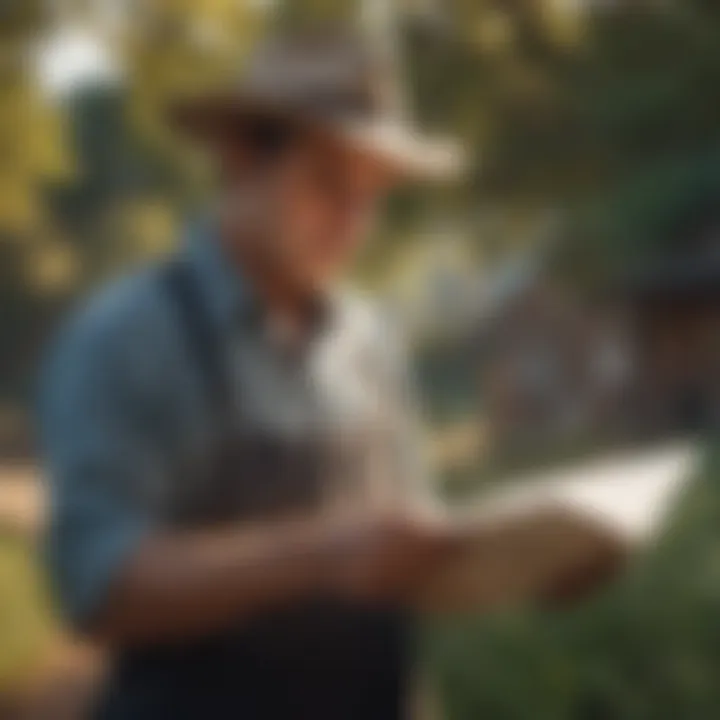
[
  {"x": 181, "y": 585},
  {"x": 387, "y": 557}
]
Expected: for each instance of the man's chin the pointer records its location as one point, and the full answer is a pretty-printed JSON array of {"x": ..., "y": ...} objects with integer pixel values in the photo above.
[{"x": 315, "y": 280}]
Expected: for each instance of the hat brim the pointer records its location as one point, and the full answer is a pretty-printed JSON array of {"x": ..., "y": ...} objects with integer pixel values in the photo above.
[{"x": 404, "y": 154}]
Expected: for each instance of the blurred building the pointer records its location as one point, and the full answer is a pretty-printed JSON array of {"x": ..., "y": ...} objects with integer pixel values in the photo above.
[
  {"x": 552, "y": 365},
  {"x": 675, "y": 303},
  {"x": 639, "y": 360}
]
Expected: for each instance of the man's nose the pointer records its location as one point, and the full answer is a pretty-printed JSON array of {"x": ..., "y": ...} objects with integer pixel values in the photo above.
[{"x": 350, "y": 198}]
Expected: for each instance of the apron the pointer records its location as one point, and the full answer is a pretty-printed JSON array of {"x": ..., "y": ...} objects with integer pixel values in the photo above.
[{"x": 321, "y": 660}]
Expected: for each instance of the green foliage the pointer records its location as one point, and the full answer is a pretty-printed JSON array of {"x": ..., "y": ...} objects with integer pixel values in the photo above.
[
  {"x": 622, "y": 106},
  {"x": 25, "y": 618},
  {"x": 647, "y": 650}
]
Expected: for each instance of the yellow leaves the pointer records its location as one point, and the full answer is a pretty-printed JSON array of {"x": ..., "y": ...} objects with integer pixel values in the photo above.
[
  {"x": 494, "y": 31},
  {"x": 321, "y": 10},
  {"x": 51, "y": 266},
  {"x": 133, "y": 231},
  {"x": 182, "y": 48},
  {"x": 149, "y": 227},
  {"x": 495, "y": 28},
  {"x": 25, "y": 618},
  {"x": 33, "y": 151},
  {"x": 51, "y": 156},
  {"x": 177, "y": 36},
  {"x": 21, "y": 18},
  {"x": 563, "y": 20},
  {"x": 19, "y": 203}
]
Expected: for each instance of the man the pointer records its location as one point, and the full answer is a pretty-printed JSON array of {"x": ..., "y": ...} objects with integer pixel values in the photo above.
[{"x": 237, "y": 506}]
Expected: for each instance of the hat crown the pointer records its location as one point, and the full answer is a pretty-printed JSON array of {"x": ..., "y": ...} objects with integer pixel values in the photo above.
[
  {"x": 338, "y": 74},
  {"x": 339, "y": 83}
]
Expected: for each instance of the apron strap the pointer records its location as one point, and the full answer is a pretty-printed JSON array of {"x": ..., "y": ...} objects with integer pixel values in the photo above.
[{"x": 203, "y": 344}]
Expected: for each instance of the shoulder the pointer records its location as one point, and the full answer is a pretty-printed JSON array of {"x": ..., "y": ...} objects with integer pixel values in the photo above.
[{"x": 124, "y": 322}]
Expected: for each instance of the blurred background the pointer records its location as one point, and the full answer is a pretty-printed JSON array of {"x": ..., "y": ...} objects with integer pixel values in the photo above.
[{"x": 563, "y": 301}]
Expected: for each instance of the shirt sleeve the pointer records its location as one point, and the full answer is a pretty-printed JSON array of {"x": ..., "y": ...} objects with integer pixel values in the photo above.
[{"x": 96, "y": 456}]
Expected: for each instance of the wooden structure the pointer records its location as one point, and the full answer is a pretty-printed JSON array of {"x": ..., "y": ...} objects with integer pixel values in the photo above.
[{"x": 675, "y": 307}]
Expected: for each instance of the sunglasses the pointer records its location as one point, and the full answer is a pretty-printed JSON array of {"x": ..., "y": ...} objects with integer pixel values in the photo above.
[{"x": 267, "y": 137}]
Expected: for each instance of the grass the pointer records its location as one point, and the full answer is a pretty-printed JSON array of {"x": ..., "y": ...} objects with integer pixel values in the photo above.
[{"x": 26, "y": 626}]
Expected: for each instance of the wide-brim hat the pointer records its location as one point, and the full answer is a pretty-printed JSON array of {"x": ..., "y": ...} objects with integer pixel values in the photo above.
[{"x": 336, "y": 83}]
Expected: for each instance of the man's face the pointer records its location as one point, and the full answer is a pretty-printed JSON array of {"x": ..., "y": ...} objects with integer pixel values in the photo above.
[{"x": 313, "y": 207}]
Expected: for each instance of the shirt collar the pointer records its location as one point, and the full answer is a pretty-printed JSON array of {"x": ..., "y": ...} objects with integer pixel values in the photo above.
[{"x": 229, "y": 296}]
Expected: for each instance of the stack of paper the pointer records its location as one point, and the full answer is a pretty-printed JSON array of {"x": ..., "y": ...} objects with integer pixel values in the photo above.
[{"x": 519, "y": 539}]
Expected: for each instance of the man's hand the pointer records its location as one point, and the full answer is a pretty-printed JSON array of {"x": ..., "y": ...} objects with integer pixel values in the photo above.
[
  {"x": 182, "y": 585},
  {"x": 386, "y": 558},
  {"x": 582, "y": 583}
]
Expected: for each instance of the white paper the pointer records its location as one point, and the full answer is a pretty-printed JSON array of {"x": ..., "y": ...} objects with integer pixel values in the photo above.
[{"x": 530, "y": 531}]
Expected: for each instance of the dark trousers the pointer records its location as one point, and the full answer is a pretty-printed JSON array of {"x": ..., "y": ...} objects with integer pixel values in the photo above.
[{"x": 324, "y": 664}]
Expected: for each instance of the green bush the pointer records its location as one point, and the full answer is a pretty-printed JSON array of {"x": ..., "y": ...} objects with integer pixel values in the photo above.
[{"x": 648, "y": 649}]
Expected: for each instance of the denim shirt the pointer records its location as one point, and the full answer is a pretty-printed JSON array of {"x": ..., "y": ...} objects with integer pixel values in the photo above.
[{"x": 122, "y": 408}]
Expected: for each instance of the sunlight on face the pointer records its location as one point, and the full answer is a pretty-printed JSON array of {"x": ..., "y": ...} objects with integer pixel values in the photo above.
[{"x": 325, "y": 199}]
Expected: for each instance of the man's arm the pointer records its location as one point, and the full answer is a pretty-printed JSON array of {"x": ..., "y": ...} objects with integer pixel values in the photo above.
[
  {"x": 185, "y": 584},
  {"x": 118, "y": 572},
  {"x": 123, "y": 577},
  {"x": 182, "y": 585}
]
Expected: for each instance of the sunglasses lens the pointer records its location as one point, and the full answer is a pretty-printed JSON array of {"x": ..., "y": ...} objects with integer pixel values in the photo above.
[{"x": 268, "y": 137}]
